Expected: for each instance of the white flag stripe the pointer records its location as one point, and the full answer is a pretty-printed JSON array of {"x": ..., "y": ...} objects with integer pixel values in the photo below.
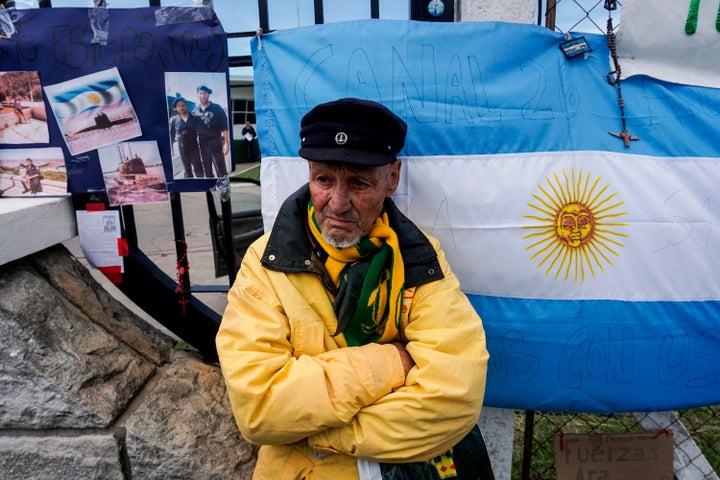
[{"x": 652, "y": 215}]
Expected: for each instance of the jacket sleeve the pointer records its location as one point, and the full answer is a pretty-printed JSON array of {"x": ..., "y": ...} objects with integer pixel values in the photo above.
[
  {"x": 443, "y": 394},
  {"x": 279, "y": 394}
]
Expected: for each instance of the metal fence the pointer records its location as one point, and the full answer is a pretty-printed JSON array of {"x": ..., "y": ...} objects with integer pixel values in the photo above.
[
  {"x": 696, "y": 432},
  {"x": 696, "y": 435},
  {"x": 581, "y": 15}
]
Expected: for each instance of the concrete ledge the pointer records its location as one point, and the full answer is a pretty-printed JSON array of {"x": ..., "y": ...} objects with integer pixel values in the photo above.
[
  {"x": 28, "y": 225},
  {"x": 498, "y": 428}
]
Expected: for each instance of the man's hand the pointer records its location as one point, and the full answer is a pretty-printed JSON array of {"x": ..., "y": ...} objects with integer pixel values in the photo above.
[
  {"x": 226, "y": 142},
  {"x": 407, "y": 360}
]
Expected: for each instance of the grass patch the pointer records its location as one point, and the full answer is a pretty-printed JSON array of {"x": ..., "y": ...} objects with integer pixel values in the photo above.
[{"x": 252, "y": 173}]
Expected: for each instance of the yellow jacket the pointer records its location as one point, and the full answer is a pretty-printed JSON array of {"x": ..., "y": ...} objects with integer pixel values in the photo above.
[{"x": 313, "y": 403}]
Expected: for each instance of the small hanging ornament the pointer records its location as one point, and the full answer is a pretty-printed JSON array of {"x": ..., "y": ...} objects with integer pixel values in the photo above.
[
  {"x": 613, "y": 77},
  {"x": 572, "y": 47}
]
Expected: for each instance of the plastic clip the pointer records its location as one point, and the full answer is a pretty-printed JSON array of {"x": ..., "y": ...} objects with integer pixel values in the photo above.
[
  {"x": 7, "y": 27},
  {"x": 99, "y": 17},
  {"x": 222, "y": 186}
]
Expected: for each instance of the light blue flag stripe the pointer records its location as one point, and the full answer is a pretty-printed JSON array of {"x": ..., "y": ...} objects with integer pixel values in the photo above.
[
  {"x": 495, "y": 88},
  {"x": 600, "y": 355}
]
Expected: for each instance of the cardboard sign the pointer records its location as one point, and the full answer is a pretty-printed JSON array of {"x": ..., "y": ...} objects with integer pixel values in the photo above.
[{"x": 615, "y": 456}]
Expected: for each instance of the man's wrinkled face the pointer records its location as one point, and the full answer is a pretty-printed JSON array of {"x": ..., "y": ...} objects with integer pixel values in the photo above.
[{"x": 349, "y": 198}]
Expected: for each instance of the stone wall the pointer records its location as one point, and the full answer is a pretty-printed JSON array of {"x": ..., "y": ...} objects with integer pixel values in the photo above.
[{"x": 88, "y": 390}]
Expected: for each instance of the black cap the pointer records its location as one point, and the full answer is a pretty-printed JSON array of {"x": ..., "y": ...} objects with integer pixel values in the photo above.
[
  {"x": 351, "y": 130},
  {"x": 178, "y": 99},
  {"x": 204, "y": 88}
]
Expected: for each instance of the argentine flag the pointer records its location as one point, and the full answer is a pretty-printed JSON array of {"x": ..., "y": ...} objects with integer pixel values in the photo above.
[
  {"x": 595, "y": 265},
  {"x": 87, "y": 97}
]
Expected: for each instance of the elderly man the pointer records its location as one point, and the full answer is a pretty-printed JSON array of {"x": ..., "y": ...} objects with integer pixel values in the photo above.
[{"x": 347, "y": 347}]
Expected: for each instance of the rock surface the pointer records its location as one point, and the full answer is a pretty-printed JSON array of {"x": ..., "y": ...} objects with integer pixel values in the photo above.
[
  {"x": 90, "y": 390},
  {"x": 163, "y": 433}
]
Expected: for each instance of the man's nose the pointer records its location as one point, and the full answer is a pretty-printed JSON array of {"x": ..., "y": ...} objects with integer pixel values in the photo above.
[{"x": 340, "y": 199}]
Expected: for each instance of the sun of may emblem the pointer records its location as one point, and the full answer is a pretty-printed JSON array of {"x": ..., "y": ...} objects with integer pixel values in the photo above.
[
  {"x": 577, "y": 229},
  {"x": 94, "y": 98}
]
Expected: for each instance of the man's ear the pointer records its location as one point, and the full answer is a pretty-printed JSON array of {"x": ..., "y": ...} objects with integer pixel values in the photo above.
[{"x": 394, "y": 176}]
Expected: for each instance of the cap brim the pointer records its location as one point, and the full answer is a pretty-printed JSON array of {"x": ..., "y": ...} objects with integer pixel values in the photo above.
[{"x": 345, "y": 155}]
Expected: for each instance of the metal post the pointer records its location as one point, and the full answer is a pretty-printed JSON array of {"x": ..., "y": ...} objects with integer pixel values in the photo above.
[
  {"x": 180, "y": 246},
  {"x": 319, "y": 12},
  {"x": 228, "y": 237},
  {"x": 128, "y": 219},
  {"x": 527, "y": 443},
  {"x": 550, "y": 14},
  {"x": 264, "y": 15}
]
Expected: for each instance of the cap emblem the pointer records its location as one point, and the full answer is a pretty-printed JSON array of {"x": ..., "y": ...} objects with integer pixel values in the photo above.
[{"x": 341, "y": 138}]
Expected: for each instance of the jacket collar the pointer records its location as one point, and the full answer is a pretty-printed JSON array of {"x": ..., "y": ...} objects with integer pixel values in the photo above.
[{"x": 290, "y": 250}]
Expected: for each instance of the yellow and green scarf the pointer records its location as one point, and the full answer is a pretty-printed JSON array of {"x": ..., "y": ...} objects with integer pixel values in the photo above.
[{"x": 370, "y": 277}]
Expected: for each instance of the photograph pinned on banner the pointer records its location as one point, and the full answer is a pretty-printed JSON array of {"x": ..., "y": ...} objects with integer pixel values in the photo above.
[
  {"x": 22, "y": 112},
  {"x": 198, "y": 124},
  {"x": 30, "y": 172},
  {"x": 93, "y": 111},
  {"x": 133, "y": 173}
]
